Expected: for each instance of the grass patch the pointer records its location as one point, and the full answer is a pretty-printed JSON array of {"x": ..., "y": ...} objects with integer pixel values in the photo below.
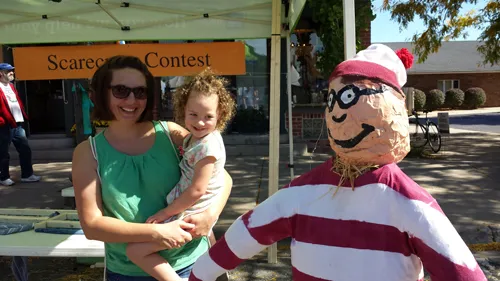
[{"x": 493, "y": 246}]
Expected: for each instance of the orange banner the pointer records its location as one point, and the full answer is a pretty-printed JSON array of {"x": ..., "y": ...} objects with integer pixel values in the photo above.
[{"x": 77, "y": 62}]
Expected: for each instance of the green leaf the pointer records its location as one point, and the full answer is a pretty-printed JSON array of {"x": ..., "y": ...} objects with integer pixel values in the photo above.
[{"x": 443, "y": 22}]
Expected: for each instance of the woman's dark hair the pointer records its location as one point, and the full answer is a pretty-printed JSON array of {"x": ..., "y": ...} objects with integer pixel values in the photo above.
[{"x": 101, "y": 80}]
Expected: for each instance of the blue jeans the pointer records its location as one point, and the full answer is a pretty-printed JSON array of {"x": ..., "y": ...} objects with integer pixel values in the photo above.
[
  {"x": 18, "y": 137},
  {"x": 111, "y": 276}
]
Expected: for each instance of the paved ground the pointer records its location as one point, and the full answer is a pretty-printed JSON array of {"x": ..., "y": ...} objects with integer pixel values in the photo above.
[{"x": 463, "y": 178}]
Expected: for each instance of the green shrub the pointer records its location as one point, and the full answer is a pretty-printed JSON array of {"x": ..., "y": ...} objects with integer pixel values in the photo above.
[
  {"x": 419, "y": 99},
  {"x": 454, "y": 98},
  {"x": 474, "y": 98},
  {"x": 434, "y": 99}
]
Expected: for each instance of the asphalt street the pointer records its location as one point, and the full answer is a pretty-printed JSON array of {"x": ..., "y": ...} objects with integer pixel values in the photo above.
[{"x": 484, "y": 122}]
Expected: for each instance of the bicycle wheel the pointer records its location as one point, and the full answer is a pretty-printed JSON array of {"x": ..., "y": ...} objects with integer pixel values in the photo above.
[
  {"x": 434, "y": 137},
  {"x": 419, "y": 137}
]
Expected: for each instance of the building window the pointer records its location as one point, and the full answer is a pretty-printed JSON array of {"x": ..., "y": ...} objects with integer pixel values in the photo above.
[
  {"x": 308, "y": 85},
  {"x": 252, "y": 89},
  {"x": 445, "y": 85}
]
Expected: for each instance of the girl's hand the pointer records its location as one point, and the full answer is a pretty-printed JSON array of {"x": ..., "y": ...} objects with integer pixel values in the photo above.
[
  {"x": 173, "y": 234},
  {"x": 159, "y": 217}
]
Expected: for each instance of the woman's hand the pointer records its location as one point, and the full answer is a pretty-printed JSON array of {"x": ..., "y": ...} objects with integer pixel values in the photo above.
[
  {"x": 202, "y": 222},
  {"x": 177, "y": 133},
  {"x": 173, "y": 234}
]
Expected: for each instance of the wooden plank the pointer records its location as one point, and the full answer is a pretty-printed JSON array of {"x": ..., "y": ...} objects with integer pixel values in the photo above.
[
  {"x": 27, "y": 212},
  {"x": 21, "y": 219},
  {"x": 35, "y": 216},
  {"x": 67, "y": 216},
  {"x": 32, "y": 212},
  {"x": 274, "y": 114},
  {"x": 66, "y": 220},
  {"x": 72, "y": 216},
  {"x": 58, "y": 224}
]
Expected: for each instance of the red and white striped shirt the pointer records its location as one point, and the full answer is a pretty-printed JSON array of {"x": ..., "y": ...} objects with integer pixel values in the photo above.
[{"x": 388, "y": 228}]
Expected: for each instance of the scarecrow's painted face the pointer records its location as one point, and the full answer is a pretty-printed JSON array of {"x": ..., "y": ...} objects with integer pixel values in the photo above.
[{"x": 367, "y": 121}]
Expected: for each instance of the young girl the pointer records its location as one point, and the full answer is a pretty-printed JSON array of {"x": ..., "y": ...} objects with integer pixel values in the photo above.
[{"x": 204, "y": 107}]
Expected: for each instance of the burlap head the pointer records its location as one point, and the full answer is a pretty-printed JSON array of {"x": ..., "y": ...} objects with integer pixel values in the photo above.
[{"x": 367, "y": 121}]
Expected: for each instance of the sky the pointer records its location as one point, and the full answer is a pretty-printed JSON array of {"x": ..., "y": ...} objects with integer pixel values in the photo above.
[{"x": 386, "y": 30}]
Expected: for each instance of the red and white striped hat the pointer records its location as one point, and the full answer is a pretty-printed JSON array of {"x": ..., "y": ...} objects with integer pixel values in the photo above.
[{"x": 378, "y": 62}]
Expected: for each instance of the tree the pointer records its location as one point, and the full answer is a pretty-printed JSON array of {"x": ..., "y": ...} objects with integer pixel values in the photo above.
[
  {"x": 328, "y": 17},
  {"x": 443, "y": 21}
]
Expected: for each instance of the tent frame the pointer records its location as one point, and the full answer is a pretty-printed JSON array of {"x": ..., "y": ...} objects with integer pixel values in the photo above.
[
  {"x": 274, "y": 111},
  {"x": 277, "y": 32}
]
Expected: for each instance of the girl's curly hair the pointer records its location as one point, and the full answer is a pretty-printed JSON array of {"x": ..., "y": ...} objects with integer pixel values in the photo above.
[{"x": 205, "y": 83}]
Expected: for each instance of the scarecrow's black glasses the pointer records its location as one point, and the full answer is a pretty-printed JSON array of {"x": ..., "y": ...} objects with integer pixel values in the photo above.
[{"x": 349, "y": 96}]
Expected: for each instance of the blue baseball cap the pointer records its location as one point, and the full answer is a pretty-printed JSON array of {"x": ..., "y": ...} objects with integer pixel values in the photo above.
[{"x": 6, "y": 66}]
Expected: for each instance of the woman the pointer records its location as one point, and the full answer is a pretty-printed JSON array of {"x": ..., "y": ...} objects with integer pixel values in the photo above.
[{"x": 122, "y": 176}]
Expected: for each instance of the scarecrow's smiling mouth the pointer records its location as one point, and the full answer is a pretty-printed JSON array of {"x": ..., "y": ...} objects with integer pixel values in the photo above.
[{"x": 350, "y": 143}]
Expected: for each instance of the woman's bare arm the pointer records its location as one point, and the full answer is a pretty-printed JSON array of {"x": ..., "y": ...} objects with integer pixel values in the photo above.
[
  {"x": 177, "y": 133},
  {"x": 95, "y": 225}
]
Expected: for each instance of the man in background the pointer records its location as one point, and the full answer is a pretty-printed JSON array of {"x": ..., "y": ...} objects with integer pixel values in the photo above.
[{"x": 12, "y": 117}]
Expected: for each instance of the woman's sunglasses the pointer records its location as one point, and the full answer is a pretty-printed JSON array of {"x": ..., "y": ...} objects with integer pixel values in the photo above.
[{"x": 122, "y": 92}]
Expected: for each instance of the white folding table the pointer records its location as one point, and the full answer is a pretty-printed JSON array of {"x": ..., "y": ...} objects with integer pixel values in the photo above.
[{"x": 38, "y": 244}]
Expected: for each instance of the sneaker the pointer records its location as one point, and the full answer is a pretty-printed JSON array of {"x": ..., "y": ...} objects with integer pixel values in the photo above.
[
  {"x": 7, "y": 182},
  {"x": 31, "y": 178}
]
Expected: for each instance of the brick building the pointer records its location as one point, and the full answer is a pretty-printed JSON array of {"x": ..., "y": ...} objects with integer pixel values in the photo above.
[{"x": 455, "y": 65}]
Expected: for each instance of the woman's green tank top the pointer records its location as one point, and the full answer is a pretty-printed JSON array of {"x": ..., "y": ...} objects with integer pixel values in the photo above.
[{"x": 135, "y": 187}]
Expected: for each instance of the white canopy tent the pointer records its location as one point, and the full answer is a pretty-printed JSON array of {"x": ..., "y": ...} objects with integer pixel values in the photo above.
[
  {"x": 65, "y": 21},
  {"x": 50, "y": 21}
]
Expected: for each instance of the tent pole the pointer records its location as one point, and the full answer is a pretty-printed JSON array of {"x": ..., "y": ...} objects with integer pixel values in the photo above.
[
  {"x": 349, "y": 29},
  {"x": 289, "y": 91},
  {"x": 274, "y": 112}
]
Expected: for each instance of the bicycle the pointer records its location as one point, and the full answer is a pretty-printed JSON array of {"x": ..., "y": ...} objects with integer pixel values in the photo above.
[{"x": 427, "y": 133}]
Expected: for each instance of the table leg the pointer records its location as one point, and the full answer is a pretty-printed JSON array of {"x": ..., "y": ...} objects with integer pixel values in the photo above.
[{"x": 19, "y": 267}]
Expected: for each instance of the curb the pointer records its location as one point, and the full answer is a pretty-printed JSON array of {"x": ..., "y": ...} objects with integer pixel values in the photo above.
[
  {"x": 461, "y": 131},
  {"x": 465, "y": 112}
]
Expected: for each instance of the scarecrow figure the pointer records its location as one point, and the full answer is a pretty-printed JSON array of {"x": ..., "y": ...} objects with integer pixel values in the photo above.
[{"x": 358, "y": 216}]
